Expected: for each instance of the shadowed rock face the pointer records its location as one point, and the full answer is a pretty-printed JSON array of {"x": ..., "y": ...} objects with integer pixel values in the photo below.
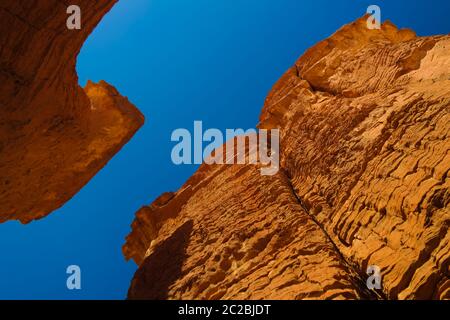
[
  {"x": 364, "y": 118},
  {"x": 54, "y": 135}
]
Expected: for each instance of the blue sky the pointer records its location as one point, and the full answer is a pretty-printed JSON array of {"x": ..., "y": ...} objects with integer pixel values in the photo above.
[{"x": 177, "y": 61}]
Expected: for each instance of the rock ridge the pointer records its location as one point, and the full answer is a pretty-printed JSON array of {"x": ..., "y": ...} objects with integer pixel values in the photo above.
[
  {"x": 365, "y": 154},
  {"x": 54, "y": 135}
]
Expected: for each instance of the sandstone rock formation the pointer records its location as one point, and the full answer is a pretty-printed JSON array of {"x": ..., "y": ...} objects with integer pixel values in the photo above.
[
  {"x": 365, "y": 154},
  {"x": 54, "y": 135}
]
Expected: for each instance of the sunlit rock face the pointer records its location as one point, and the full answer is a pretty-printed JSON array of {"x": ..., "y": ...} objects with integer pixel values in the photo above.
[
  {"x": 54, "y": 135},
  {"x": 364, "y": 118}
]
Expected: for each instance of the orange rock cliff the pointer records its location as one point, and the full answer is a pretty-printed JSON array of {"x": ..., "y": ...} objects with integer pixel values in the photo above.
[
  {"x": 54, "y": 135},
  {"x": 364, "y": 118},
  {"x": 365, "y": 155}
]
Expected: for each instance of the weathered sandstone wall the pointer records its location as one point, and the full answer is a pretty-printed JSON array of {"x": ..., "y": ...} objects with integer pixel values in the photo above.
[
  {"x": 365, "y": 154},
  {"x": 54, "y": 135}
]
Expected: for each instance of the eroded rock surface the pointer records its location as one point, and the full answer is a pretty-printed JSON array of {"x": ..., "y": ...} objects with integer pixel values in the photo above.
[
  {"x": 54, "y": 135},
  {"x": 365, "y": 153},
  {"x": 244, "y": 240}
]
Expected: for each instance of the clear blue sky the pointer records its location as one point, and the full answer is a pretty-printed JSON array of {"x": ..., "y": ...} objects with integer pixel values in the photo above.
[{"x": 177, "y": 61}]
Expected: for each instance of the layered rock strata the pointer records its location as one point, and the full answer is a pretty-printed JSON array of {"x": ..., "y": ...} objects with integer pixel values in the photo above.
[
  {"x": 54, "y": 135},
  {"x": 364, "y": 118}
]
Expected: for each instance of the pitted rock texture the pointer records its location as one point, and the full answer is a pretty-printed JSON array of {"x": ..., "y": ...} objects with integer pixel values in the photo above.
[
  {"x": 364, "y": 118},
  {"x": 54, "y": 135},
  {"x": 249, "y": 239},
  {"x": 366, "y": 146}
]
